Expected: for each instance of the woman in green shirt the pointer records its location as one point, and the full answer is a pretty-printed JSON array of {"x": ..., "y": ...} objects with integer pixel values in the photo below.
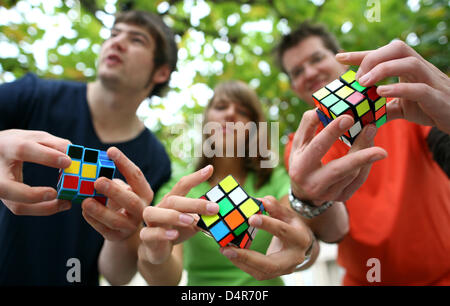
[{"x": 233, "y": 102}]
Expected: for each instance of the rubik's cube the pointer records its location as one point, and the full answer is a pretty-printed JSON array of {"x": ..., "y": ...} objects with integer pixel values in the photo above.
[
  {"x": 346, "y": 96},
  {"x": 76, "y": 182},
  {"x": 230, "y": 226}
]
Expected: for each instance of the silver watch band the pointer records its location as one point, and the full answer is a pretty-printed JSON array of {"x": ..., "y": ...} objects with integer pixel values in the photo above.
[{"x": 306, "y": 208}]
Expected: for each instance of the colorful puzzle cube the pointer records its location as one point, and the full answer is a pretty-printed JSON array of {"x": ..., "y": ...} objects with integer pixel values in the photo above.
[
  {"x": 230, "y": 226},
  {"x": 346, "y": 96},
  {"x": 76, "y": 182}
]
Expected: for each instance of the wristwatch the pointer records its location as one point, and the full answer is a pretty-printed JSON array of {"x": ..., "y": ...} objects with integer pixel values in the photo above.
[{"x": 306, "y": 208}]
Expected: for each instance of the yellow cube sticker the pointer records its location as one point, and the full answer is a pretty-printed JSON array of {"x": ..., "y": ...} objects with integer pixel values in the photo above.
[
  {"x": 228, "y": 184},
  {"x": 89, "y": 171},
  {"x": 249, "y": 208},
  {"x": 209, "y": 219},
  {"x": 74, "y": 168}
]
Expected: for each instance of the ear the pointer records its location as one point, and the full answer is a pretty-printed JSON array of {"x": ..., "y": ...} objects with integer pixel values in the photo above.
[{"x": 161, "y": 75}]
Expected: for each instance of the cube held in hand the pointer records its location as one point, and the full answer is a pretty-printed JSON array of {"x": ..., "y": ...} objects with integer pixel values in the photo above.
[
  {"x": 230, "y": 226},
  {"x": 345, "y": 96},
  {"x": 76, "y": 182}
]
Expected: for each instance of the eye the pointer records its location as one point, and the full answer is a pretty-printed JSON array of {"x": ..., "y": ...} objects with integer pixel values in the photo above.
[
  {"x": 295, "y": 73},
  {"x": 317, "y": 58}
]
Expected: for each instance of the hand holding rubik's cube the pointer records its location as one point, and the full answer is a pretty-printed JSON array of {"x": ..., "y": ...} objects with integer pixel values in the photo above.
[
  {"x": 345, "y": 96},
  {"x": 76, "y": 182},
  {"x": 230, "y": 226}
]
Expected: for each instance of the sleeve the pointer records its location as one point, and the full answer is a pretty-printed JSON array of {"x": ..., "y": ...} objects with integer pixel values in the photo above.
[{"x": 16, "y": 100}]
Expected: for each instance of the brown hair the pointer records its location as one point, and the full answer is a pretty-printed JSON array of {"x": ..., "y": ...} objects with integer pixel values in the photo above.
[
  {"x": 240, "y": 92},
  {"x": 165, "y": 46},
  {"x": 303, "y": 31}
]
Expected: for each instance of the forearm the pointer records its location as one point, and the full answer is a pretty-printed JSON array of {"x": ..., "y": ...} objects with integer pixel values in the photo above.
[
  {"x": 165, "y": 274},
  {"x": 332, "y": 225},
  {"x": 118, "y": 260}
]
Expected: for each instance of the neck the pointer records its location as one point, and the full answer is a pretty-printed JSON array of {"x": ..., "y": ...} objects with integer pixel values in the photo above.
[
  {"x": 224, "y": 166},
  {"x": 114, "y": 112}
]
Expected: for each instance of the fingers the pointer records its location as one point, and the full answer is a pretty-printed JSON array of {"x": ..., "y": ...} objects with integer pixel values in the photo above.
[
  {"x": 39, "y": 208},
  {"x": 186, "y": 183},
  {"x": 121, "y": 196},
  {"x": 394, "y": 50},
  {"x": 307, "y": 129},
  {"x": 19, "y": 192},
  {"x": 33, "y": 152},
  {"x": 323, "y": 141},
  {"x": 418, "y": 92},
  {"x": 113, "y": 220},
  {"x": 47, "y": 139},
  {"x": 167, "y": 217},
  {"x": 337, "y": 169},
  {"x": 283, "y": 230},
  {"x": 261, "y": 266},
  {"x": 175, "y": 210},
  {"x": 364, "y": 139},
  {"x": 158, "y": 234},
  {"x": 134, "y": 176},
  {"x": 409, "y": 67},
  {"x": 352, "y": 58}
]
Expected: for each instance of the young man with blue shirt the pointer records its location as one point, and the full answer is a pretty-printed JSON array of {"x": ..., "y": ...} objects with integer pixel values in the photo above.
[{"x": 39, "y": 234}]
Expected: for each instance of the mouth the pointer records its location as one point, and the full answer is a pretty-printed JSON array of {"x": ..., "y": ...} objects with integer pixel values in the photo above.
[{"x": 113, "y": 59}]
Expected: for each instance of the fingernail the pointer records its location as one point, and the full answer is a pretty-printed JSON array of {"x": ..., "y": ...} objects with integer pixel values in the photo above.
[
  {"x": 64, "y": 162},
  {"x": 342, "y": 56},
  {"x": 64, "y": 207},
  {"x": 113, "y": 155},
  {"x": 365, "y": 79},
  {"x": 384, "y": 90},
  {"x": 345, "y": 123},
  {"x": 103, "y": 185},
  {"x": 205, "y": 170},
  {"x": 256, "y": 221},
  {"x": 186, "y": 219},
  {"x": 48, "y": 196},
  {"x": 212, "y": 207},
  {"x": 171, "y": 233},
  {"x": 376, "y": 157},
  {"x": 229, "y": 253},
  {"x": 370, "y": 132}
]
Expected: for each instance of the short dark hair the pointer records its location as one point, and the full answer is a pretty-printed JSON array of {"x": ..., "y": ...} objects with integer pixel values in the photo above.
[
  {"x": 303, "y": 31},
  {"x": 166, "y": 49}
]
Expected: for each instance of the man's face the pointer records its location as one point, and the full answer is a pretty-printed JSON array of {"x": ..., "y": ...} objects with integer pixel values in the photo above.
[
  {"x": 126, "y": 58},
  {"x": 311, "y": 66}
]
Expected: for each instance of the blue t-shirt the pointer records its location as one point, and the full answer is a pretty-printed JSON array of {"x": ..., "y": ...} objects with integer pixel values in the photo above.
[{"x": 35, "y": 250}]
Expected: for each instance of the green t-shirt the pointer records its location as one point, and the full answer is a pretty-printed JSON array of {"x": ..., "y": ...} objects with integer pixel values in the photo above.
[{"x": 202, "y": 260}]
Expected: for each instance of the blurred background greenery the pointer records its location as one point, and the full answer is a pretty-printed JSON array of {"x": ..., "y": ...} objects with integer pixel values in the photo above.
[{"x": 217, "y": 40}]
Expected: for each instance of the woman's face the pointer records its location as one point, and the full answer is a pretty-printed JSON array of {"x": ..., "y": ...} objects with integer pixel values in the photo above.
[{"x": 233, "y": 118}]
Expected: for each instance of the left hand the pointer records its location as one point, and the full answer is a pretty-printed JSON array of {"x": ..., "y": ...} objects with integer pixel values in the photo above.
[
  {"x": 291, "y": 239},
  {"x": 123, "y": 216},
  {"x": 422, "y": 91}
]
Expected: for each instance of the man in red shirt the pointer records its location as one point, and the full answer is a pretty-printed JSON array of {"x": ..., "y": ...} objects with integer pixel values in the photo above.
[{"x": 397, "y": 196}]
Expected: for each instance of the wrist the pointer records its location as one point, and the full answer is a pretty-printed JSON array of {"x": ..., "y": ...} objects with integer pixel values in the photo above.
[{"x": 307, "y": 208}]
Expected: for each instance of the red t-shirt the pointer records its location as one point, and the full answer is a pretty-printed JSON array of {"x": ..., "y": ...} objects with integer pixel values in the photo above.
[{"x": 400, "y": 215}]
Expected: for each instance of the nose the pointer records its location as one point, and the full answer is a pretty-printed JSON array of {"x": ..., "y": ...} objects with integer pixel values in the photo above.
[
  {"x": 119, "y": 43},
  {"x": 230, "y": 114},
  {"x": 310, "y": 72}
]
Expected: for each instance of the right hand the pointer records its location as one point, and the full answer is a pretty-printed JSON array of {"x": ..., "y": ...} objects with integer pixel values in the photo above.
[
  {"x": 174, "y": 219},
  {"x": 18, "y": 146},
  {"x": 338, "y": 179}
]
